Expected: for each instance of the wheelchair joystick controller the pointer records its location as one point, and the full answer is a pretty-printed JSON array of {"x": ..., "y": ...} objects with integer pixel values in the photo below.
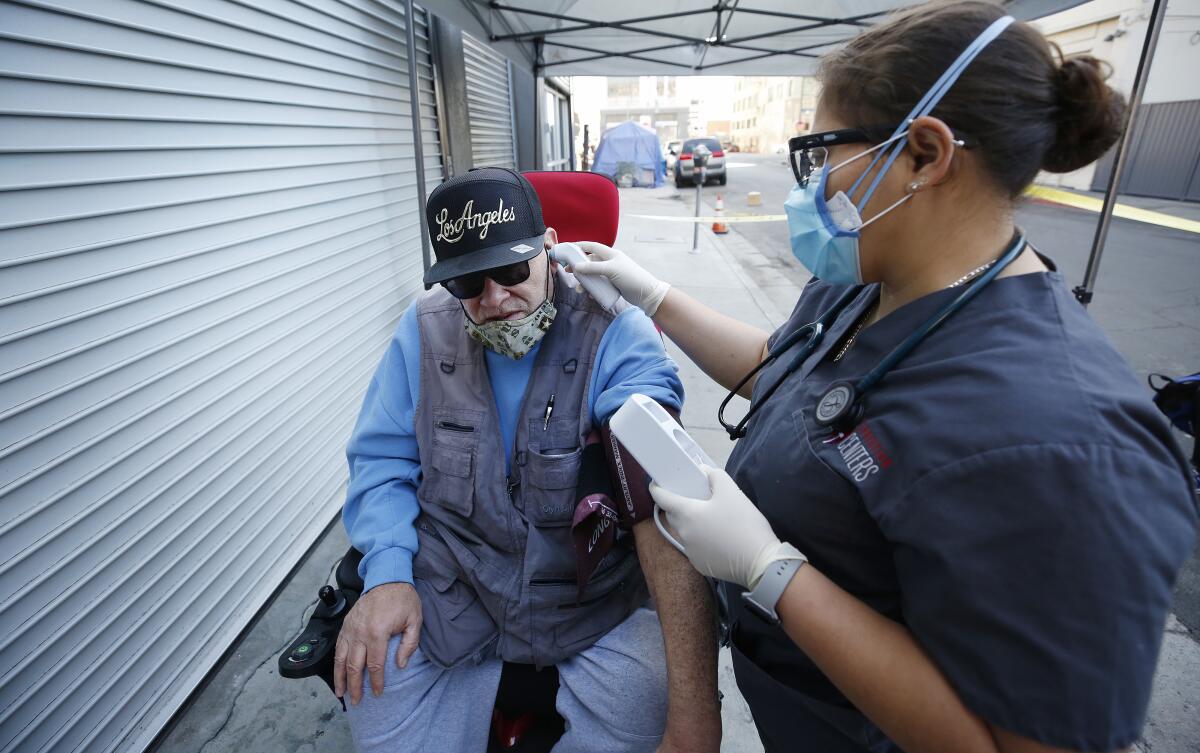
[
  {"x": 311, "y": 654},
  {"x": 331, "y": 598}
]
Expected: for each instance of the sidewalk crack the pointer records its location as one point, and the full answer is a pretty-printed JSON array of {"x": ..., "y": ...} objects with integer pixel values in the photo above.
[{"x": 270, "y": 657}]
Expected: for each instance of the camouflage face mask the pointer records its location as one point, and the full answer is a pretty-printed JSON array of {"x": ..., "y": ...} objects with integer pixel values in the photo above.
[{"x": 514, "y": 338}]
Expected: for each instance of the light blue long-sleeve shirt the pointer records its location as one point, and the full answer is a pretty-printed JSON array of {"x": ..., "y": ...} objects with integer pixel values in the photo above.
[{"x": 385, "y": 461}]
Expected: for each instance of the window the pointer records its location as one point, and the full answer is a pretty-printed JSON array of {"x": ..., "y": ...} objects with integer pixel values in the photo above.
[
  {"x": 625, "y": 86},
  {"x": 712, "y": 144}
]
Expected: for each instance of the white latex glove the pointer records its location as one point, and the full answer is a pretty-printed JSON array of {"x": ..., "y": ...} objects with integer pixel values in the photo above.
[
  {"x": 635, "y": 284},
  {"x": 725, "y": 536}
]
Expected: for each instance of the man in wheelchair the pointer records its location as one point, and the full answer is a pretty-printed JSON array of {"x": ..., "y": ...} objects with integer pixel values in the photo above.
[{"x": 465, "y": 470}]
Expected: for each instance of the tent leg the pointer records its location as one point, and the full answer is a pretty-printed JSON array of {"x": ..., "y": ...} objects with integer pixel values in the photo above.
[
  {"x": 1084, "y": 292},
  {"x": 418, "y": 148}
]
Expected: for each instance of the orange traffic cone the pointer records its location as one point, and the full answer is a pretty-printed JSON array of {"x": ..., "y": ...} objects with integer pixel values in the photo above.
[{"x": 718, "y": 226}]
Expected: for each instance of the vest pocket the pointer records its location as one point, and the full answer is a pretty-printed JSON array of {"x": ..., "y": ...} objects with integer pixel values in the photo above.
[
  {"x": 449, "y": 480},
  {"x": 455, "y": 623},
  {"x": 457, "y": 427},
  {"x": 608, "y": 599},
  {"x": 550, "y": 482},
  {"x": 453, "y": 597},
  {"x": 554, "y": 437}
]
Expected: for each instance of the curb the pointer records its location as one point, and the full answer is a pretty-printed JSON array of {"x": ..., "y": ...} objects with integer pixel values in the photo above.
[
  {"x": 732, "y": 247},
  {"x": 1124, "y": 211}
]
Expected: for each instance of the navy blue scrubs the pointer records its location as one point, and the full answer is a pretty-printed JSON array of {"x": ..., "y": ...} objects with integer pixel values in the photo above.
[{"x": 1012, "y": 496}]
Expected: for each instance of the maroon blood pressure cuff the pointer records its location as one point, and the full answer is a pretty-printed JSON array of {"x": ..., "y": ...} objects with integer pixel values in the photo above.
[
  {"x": 594, "y": 526},
  {"x": 629, "y": 480},
  {"x": 613, "y": 491}
]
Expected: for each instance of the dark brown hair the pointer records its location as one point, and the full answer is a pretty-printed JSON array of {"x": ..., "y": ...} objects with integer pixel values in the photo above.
[{"x": 1025, "y": 108}]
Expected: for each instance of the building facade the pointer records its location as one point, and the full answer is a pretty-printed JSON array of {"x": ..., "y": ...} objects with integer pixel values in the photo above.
[
  {"x": 1164, "y": 156},
  {"x": 769, "y": 110},
  {"x": 652, "y": 101}
]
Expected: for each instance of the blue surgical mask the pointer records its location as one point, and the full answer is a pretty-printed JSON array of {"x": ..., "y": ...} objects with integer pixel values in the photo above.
[{"x": 825, "y": 232}]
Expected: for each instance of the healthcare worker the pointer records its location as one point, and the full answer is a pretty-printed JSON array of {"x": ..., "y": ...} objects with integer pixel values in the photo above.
[{"x": 954, "y": 520}]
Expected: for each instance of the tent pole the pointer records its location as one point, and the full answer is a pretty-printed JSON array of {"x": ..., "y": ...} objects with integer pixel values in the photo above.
[
  {"x": 1085, "y": 292},
  {"x": 414, "y": 98}
]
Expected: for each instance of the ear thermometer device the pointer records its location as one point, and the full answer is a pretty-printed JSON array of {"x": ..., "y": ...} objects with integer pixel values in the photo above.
[
  {"x": 599, "y": 288},
  {"x": 668, "y": 453}
]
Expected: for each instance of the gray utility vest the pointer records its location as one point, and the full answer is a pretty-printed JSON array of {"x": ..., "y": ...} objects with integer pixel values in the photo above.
[{"x": 496, "y": 564}]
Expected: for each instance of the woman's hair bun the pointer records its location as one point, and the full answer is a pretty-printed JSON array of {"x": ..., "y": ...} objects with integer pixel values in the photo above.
[{"x": 1090, "y": 115}]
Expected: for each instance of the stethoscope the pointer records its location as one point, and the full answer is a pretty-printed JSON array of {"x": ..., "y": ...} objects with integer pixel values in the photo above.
[{"x": 843, "y": 406}]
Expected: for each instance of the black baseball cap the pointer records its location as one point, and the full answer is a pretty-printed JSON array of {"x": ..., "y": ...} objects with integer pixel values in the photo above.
[{"x": 488, "y": 217}]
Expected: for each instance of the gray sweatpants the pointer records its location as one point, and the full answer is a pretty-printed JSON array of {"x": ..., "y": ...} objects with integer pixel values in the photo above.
[{"x": 612, "y": 695}]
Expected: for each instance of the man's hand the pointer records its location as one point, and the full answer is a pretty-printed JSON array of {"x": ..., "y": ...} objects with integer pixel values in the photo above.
[{"x": 381, "y": 613}]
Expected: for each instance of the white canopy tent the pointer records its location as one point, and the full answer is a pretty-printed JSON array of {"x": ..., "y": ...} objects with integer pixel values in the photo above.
[
  {"x": 736, "y": 37},
  {"x": 687, "y": 37}
]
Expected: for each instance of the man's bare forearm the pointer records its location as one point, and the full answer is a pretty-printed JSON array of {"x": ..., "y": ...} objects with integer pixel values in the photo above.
[{"x": 686, "y": 612}]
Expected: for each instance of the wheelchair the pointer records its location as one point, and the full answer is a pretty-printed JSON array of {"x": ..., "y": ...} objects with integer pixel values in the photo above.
[
  {"x": 1179, "y": 401},
  {"x": 580, "y": 206}
]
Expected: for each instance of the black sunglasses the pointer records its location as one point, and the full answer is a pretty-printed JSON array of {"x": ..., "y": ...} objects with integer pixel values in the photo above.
[
  {"x": 808, "y": 153},
  {"x": 471, "y": 286}
]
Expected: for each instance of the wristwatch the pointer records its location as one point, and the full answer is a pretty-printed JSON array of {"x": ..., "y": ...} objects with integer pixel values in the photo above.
[{"x": 762, "y": 600}]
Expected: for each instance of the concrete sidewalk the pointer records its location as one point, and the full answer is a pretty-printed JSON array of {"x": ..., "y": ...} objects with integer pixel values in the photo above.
[
  {"x": 247, "y": 707},
  {"x": 728, "y": 274}
]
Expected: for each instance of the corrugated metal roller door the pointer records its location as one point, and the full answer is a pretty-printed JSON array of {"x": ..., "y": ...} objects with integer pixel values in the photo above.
[
  {"x": 1164, "y": 156},
  {"x": 1166, "y": 151},
  {"x": 489, "y": 104},
  {"x": 208, "y": 230},
  {"x": 427, "y": 87}
]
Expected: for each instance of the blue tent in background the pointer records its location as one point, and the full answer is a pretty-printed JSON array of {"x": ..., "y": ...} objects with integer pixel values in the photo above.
[{"x": 631, "y": 155}]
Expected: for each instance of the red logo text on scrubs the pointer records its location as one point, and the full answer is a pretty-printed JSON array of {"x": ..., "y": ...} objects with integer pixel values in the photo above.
[{"x": 863, "y": 453}]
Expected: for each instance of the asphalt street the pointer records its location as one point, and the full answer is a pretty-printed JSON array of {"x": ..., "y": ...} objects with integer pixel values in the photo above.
[{"x": 1147, "y": 295}]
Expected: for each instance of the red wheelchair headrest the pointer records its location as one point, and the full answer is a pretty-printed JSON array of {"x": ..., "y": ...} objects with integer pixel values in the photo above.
[{"x": 579, "y": 206}]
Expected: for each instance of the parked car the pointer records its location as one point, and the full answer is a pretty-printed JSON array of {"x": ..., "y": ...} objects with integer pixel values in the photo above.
[
  {"x": 716, "y": 162},
  {"x": 730, "y": 146}
]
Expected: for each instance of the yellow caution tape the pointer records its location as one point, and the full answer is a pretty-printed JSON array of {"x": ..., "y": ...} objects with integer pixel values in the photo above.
[
  {"x": 725, "y": 218},
  {"x": 1093, "y": 204},
  {"x": 1089, "y": 203}
]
